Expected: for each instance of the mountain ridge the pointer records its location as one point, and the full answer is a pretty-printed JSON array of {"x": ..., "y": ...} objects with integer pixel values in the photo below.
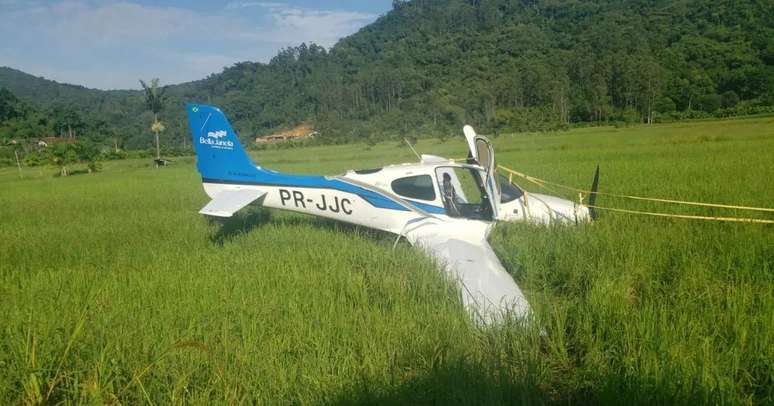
[{"x": 428, "y": 66}]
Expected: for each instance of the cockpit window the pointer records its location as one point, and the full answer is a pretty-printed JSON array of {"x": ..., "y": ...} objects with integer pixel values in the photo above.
[
  {"x": 415, "y": 187},
  {"x": 508, "y": 192},
  {"x": 463, "y": 193},
  {"x": 482, "y": 149}
]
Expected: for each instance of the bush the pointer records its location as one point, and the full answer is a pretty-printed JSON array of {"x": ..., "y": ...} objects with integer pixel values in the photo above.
[
  {"x": 631, "y": 116},
  {"x": 729, "y": 99},
  {"x": 113, "y": 155},
  {"x": 744, "y": 109},
  {"x": 525, "y": 119},
  {"x": 94, "y": 166},
  {"x": 35, "y": 159},
  {"x": 709, "y": 103},
  {"x": 140, "y": 153},
  {"x": 665, "y": 105}
]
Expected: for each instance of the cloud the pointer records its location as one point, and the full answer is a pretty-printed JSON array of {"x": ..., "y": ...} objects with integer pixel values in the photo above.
[
  {"x": 109, "y": 44},
  {"x": 16, "y": 4},
  {"x": 89, "y": 22},
  {"x": 236, "y": 5},
  {"x": 112, "y": 44},
  {"x": 291, "y": 25}
]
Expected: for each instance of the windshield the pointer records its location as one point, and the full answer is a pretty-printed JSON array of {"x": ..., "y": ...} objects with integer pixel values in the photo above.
[{"x": 508, "y": 192}]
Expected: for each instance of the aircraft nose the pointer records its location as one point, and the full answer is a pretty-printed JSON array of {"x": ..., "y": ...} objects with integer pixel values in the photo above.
[{"x": 582, "y": 213}]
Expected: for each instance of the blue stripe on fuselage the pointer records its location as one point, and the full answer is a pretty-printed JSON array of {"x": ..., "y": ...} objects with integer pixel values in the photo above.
[
  {"x": 427, "y": 207},
  {"x": 263, "y": 177}
]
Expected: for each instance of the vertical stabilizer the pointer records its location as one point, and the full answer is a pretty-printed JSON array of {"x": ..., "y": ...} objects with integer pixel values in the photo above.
[{"x": 219, "y": 155}]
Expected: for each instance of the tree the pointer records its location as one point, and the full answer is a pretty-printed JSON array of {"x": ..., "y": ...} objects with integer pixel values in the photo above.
[
  {"x": 62, "y": 155},
  {"x": 8, "y": 105},
  {"x": 88, "y": 153},
  {"x": 729, "y": 99},
  {"x": 709, "y": 102},
  {"x": 598, "y": 97},
  {"x": 67, "y": 122},
  {"x": 650, "y": 84},
  {"x": 154, "y": 102}
]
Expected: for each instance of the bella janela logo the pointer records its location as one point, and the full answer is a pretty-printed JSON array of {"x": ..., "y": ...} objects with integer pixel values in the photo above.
[{"x": 214, "y": 140}]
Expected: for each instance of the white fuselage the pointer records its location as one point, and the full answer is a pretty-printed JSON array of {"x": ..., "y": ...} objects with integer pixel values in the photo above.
[
  {"x": 328, "y": 203},
  {"x": 352, "y": 208}
]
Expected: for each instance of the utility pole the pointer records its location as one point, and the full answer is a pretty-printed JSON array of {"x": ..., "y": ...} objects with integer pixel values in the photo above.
[{"x": 18, "y": 164}]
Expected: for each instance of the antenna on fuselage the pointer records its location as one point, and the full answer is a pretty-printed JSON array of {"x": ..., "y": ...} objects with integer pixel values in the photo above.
[{"x": 412, "y": 149}]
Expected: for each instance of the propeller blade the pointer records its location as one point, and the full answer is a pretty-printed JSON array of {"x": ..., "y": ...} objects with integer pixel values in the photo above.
[{"x": 593, "y": 195}]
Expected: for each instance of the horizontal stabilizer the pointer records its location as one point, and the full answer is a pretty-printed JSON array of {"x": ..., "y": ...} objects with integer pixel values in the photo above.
[{"x": 228, "y": 202}]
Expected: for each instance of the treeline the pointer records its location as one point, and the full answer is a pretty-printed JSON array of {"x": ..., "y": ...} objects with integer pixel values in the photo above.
[
  {"x": 23, "y": 120},
  {"x": 429, "y": 66},
  {"x": 117, "y": 120},
  {"x": 29, "y": 134},
  {"x": 59, "y": 136}
]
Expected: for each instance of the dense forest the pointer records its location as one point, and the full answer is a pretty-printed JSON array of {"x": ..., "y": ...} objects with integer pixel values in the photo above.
[{"x": 428, "y": 66}]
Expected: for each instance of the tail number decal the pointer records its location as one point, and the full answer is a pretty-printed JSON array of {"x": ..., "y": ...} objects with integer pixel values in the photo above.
[{"x": 296, "y": 199}]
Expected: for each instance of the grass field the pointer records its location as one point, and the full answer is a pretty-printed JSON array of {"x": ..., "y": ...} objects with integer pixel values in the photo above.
[{"x": 114, "y": 290}]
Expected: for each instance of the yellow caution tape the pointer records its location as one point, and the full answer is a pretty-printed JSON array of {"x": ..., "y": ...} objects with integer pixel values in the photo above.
[
  {"x": 542, "y": 183},
  {"x": 686, "y": 216}
]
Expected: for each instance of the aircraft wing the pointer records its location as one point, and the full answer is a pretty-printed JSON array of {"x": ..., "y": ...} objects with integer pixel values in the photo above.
[
  {"x": 488, "y": 291},
  {"x": 228, "y": 202}
]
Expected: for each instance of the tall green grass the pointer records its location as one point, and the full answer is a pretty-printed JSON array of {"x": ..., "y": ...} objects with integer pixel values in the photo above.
[{"x": 114, "y": 290}]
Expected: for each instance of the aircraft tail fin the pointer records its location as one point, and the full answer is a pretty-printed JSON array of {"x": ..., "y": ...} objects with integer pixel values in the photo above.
[{"x": 219, "y": 155}]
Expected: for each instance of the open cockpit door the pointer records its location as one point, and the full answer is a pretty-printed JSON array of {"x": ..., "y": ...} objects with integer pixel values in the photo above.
[
  {"x": 480, "y": 149},
  {"x": 482, "y": 152},
  {"x": 470, "y": 137}
]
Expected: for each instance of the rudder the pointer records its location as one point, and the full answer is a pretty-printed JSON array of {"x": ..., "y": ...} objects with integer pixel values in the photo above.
[{"x": 219, "y": 155}]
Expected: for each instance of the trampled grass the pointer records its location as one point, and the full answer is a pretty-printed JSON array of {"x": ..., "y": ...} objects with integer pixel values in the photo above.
[{"x": 114, "y": 290}]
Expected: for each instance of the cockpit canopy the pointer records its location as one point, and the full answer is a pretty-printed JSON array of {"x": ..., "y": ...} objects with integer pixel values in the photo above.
[
  {"x": 464, "y": 194},
  {"x": 442, "y": 186}
]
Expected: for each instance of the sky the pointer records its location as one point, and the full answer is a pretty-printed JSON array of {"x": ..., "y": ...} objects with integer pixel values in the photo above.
[{"x": 110, "y": 44}]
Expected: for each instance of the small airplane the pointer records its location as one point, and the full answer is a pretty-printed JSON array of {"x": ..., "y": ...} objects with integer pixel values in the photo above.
[{"x": 444, "y": 207}]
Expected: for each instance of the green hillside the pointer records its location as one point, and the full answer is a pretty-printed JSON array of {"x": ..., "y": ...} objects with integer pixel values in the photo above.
[
  {"x": 428, "y": 66},
  {"x": 53, "y": 108}
]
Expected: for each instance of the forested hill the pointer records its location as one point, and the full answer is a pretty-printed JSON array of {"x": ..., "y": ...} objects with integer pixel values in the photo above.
[
  {"x": 44, "y": 107},
  {"x": 47, "y": 92},
  {"x": 428, "y": 66}
]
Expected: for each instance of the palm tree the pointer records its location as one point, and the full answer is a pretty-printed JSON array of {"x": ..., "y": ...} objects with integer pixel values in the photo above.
[{"x": 154, "y": 101}]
